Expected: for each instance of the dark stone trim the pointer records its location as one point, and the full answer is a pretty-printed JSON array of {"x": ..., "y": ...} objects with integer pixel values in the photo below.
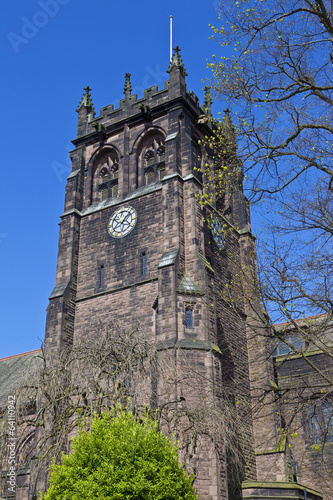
[
  {"x": 115, "y": 290},
  {"x": 200, "y": 345}
]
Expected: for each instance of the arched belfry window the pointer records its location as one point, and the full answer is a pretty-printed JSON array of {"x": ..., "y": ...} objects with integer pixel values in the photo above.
[
  {"x": 106, "y": 173},
  {"x": 151, "y": 159}
]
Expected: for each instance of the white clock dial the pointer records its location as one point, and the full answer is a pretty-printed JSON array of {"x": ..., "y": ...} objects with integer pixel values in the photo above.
[{"x": 122, "y": 221}]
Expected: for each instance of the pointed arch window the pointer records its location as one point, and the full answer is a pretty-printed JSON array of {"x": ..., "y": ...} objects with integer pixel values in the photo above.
[
  {"x": 189, "y": 317},
  {"x": 106, "y": 178},
  {"x": 153, "y": 161}
]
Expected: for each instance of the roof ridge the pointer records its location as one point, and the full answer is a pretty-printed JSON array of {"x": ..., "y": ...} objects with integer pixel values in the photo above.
[
  {"x": 22, "y": 354},
  {"x": 301, "y": 319}
]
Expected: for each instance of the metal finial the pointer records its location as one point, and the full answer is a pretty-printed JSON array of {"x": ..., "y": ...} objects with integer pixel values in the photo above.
[{"x": 171, "y": 17}]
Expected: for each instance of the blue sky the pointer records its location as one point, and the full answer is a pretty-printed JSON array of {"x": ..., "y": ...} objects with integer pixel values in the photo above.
[{"x": 50, "y": 50}]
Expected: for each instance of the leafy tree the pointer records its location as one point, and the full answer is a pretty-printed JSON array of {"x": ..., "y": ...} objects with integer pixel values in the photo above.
[
  {"x": 120, "y": 458},
  {"x": 120, "y": 367},
  {"x": 276, "y": 75}
]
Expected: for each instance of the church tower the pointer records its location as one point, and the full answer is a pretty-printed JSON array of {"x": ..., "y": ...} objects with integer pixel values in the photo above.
[
  {"x": 155, "y": 238},
  {"x": 136, "y": 247}
]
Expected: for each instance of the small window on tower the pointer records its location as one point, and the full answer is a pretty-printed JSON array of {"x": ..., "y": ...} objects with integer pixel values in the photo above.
[
  {"x": 143, "y": 263},
  {"x": 188, "y": 317},
  {"x": 101, "y": 277}
]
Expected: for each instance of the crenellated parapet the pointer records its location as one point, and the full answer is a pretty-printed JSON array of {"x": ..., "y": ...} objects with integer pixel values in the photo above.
[{"x": 130, "y": 108}]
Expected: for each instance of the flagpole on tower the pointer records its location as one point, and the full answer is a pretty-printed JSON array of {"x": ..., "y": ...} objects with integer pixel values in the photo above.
[{"x": 171, "y": 17}]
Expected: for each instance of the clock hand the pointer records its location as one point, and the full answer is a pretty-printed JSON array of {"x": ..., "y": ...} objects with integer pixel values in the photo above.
[{"x": 121, "y": 219}]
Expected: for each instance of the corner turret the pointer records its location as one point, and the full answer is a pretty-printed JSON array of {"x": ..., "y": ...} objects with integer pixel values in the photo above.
[
  {"x": 208, "y": 101},
  {"x": 177, "y": 74},
  {"x": 86, "y": 112},
  {"x": 235, "y": 205}
]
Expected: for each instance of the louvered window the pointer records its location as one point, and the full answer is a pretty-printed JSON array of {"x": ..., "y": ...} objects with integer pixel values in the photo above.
[
  {"x": 150, "y": 177},
  {"x": 115, "y": 190},
  {"x": 104, "y": 192},
  {"x": 161, "y": 172}
]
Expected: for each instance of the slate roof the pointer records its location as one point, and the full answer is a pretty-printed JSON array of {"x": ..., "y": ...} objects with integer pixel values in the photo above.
[
  {"x": 17, "y": 370},
  {"x": 303, "y": 321}
]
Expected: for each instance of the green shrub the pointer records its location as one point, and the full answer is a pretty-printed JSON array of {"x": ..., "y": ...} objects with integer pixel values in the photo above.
[{"x": 120, "y": 458}]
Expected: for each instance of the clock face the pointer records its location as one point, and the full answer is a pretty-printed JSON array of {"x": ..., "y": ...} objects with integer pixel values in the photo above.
[
  {"x": 216, "y": 228},
  {"x": 122, "y": 221}
]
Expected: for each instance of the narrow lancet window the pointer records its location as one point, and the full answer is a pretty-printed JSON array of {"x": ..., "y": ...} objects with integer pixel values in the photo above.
[
  {"x": 143, "y": 263},
  {"x": 189, "y": 317},
  {"x": 101, "y": 277}
]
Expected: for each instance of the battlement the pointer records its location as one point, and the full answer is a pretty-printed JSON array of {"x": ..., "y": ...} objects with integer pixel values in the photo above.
[
  {"x": 130, "y": 106},
  {"x": 152, "y": 97}
]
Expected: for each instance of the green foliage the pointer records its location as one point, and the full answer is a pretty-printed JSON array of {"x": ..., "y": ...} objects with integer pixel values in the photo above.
[
  {"x": 120, "y": 458},
  {"x": 275, "y": 73}
]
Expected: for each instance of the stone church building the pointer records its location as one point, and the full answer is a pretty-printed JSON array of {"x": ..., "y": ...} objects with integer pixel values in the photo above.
[{"x": 137, "y": 246}]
